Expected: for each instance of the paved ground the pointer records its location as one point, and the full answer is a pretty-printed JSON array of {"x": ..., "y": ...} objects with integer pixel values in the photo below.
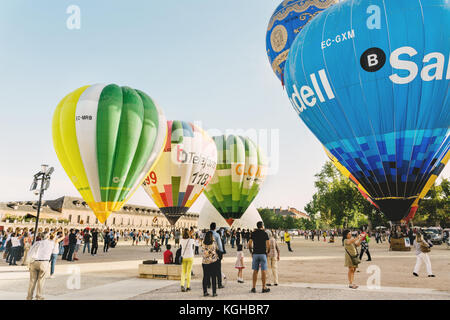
[{"x": 313, "y": 271}]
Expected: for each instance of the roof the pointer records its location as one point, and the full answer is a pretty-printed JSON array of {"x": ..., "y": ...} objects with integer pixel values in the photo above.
[{"x": 56, "y": 207}]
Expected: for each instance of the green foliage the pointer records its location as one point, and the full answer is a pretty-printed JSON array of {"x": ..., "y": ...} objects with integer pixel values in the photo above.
[
  {"x": 434, "y": 209},
  {"x": 275, "y": 221},
  {"x": 338, "y": 203}
]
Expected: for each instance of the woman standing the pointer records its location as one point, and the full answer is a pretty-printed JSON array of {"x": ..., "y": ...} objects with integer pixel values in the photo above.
[
  {"x": 26, "y": 246},
  {"x": 273, "y": 257},
  {"x": 351, "y": 255},
  {"x": 57, "y": 238},
  {"x": 187, "y": 254},
  {"x": 422, "y": 247},
  {"x": 208, "y": 264}
]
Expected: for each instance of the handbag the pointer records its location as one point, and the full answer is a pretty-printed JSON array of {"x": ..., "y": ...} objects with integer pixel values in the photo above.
[
  {"x": 424, "y": 247},
  {"x": 355, "y": 259}
]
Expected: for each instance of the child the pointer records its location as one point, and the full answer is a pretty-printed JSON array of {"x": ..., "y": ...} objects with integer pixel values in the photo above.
[
  {"x": 240, "y": 263},
  {"x": 168, "y": 255},
  {"x": 197, "y": 244}
]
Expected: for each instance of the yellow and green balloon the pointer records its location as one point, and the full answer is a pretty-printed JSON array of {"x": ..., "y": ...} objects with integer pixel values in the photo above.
[
  {"x": 108, "y": 139},
  {"x": 241, "y": 169}
]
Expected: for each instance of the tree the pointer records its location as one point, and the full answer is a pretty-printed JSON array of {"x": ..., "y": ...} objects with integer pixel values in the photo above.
[
  {"x": 338, "y": 203},
  {"x": 434, "y": 209}
]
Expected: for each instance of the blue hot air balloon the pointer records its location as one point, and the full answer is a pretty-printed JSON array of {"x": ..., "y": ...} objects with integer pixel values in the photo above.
[
  {"x": 371, "y": 80},
  {"x": 286, "y": 22}
]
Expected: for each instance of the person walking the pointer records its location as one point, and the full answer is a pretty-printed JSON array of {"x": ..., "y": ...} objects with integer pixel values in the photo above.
[
  {"x": 365, "y": 248},
  {"x": 287, "y": 239},
  {"x": 187, "y": 255},
  {"x": 209, "y": 263},
  {"x": 273, "y": 257},
  {"x": 259, "y": 247},
  {"x": 240, "y": 263},
  {"x": 38, "y": 259},
  {"x": 351, "y": 255},
  {"x": 422, "y": 247}
]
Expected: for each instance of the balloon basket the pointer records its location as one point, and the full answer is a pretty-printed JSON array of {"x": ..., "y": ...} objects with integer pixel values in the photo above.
[{"x": 401, "y": 244}]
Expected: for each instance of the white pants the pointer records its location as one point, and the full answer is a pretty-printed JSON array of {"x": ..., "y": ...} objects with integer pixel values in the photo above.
[{"x": 423, "y": 258}]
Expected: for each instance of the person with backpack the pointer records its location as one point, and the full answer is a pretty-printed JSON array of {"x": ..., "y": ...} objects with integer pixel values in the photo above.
[{"x": 187, "y": 259}]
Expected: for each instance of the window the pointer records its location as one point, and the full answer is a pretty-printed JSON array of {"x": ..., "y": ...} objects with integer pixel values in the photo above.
[
  {"x": 87, "y": 219},
  {"x": 78, "y": 219},
  {"x": 70, "y": 218},
  {"x": 114, "y": 221}
]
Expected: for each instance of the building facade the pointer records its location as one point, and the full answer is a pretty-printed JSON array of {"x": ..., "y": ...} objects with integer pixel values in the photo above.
[{"x": 75, "y": 213}]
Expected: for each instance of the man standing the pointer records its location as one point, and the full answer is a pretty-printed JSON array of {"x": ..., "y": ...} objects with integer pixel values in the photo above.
[
  {"x": 259, "y": 248},
  {"x": 94, "y": 242},
  {"x": 41, "y": 252},
  {"x": 106, "y": 241},
  {"x": 87, "y": 241},
  {"x": 72, "y": 244},
  {"x": 287, "y": 239},
  {"x": 218, "y": 241},
  {"x": 15, "y": 249}
]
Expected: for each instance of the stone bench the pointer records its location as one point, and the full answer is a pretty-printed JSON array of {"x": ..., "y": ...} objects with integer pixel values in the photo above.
[{"x": 160, "y": 271}]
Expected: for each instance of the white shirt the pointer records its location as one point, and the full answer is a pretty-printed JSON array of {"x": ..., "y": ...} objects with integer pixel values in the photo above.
[
  {"x": 45, "y": 249},
  {"x": 187, "y": 248},
  {"x": 56, "y": 248},
  {"x": 15, "y": 242}
]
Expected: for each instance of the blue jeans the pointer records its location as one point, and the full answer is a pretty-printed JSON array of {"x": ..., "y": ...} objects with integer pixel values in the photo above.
[
  {"x": 13, "y": 255},
  {"x": 259, "y": 260},
  {"x": 53, "y": 263},
  {"x": 88, "y": 245}
]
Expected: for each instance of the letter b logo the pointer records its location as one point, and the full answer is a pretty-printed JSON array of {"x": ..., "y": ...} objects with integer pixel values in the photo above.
[{"x": 373, "y": 59}]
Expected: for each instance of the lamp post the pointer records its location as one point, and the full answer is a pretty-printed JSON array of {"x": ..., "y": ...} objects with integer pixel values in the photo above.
[{"x": 44, "y": 177}]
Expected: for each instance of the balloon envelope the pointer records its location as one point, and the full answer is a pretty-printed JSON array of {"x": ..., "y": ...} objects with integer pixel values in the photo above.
[
  {"x": 186, "y": 166},
  {"x": 371, "y": 80},
  {"x": 107, "y": 139},
  {"x": 241, "y": 169},
  {"x": 286, "y": 22}
]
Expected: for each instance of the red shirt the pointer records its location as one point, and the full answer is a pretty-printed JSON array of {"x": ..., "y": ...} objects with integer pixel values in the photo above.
[{"x": 168, "y": 257}]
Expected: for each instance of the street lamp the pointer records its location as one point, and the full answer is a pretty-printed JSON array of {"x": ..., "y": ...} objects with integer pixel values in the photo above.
[{"x": 44, "y": 177}]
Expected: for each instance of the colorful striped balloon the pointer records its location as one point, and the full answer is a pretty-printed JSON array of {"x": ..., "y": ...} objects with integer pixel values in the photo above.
[
  {"x": 241, "y": 169},
  {"x": 107, "y": 139},
  {"x": 183, "y": 171}
]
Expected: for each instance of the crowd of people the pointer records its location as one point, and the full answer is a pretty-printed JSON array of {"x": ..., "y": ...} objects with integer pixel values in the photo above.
[{"x": 17, "y": 248}]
